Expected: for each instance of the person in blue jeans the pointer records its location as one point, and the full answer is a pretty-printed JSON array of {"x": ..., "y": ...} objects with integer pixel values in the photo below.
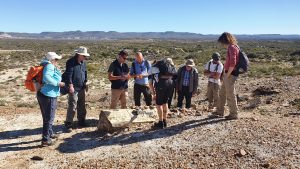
[{"x": 47, "y": 95}]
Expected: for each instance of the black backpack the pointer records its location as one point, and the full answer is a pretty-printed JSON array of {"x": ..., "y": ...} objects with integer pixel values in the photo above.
[
  {"x": 165, "y": 68},
  {"x": 243, "y": 65}
]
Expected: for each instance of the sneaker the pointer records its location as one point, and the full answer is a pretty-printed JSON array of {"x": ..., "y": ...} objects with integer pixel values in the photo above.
[
  {"x": 47, "y": 143},
  {"x": 231, "y": 117},
  {"x": 159, "y": 125}
]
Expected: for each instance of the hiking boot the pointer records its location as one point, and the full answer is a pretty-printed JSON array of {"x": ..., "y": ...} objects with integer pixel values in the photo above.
[
  {"x": 159, "y": 125},
  {"x": 47, "y": 143},
  {"x": 231, "y": 117},
  {"x": 68, "y": 126}
]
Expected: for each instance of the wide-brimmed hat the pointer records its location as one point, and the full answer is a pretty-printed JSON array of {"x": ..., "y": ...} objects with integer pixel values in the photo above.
[
  {"x": 170, "y": 61},
  {"x": 190, "y": 62},
  {"x": 216, "y": 56},
  {"x": 82, "y": 51},
  {"x": 52, "y": 55}
]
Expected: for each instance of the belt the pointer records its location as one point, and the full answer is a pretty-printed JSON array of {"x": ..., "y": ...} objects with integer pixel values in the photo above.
[{"x": 165, "y": 77}]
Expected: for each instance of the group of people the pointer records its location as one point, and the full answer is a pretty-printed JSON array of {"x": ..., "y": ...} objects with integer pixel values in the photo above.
[{"x": 158, "y": 81}]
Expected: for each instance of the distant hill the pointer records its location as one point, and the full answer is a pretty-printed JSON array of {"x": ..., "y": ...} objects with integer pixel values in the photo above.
[{"x": 112, "y": 35}]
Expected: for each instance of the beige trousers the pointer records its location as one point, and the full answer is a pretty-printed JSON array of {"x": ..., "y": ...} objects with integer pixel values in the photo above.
[
  {"x": 213, "y": 94},
  {"x": 116, "y": 95},
  {"x": 227, "y": 93}
]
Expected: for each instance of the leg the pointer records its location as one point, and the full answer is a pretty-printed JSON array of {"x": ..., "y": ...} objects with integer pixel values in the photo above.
[
  {"x": 81, "y": 109},
  {"x": 210, "y": 94},
  {"x": 72, "y": 107},
  {"x": 115, "y": 97},
  {"x": 180, "y": 99},
  {"x": 216, "y": 90},
  {"x": 52, "y": 115},
  {"x": 137, "y": 94},
  {"x": 123, "y": 97},
  {"x": 231, "y": 96},
  {"x": 147, "y": 95}
]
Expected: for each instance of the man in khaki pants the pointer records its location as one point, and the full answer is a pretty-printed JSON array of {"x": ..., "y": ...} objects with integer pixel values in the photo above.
[
  {"x": 213, "y": 70},
  {"x": 118, "y": 74}
]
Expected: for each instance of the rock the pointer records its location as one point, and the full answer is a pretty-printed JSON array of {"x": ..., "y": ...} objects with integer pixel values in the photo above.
[
  {"x": 242, "y": 152},
  {"x": 253, "y": 103},
  {"x": 269, "y": 100},
  {"x": 198, "y": 113},
  {"x": 265, "y": 90},
  {"x": 286, "y": 104},
  {"x": 242, "y": 98},
  {"x": 37, "y": 158},
  {"x": 194, "y": 106},
  {"x": 266, "y": 165},
  {"x": 112, "y": 120},
  {"x": 254, "y": 119}
]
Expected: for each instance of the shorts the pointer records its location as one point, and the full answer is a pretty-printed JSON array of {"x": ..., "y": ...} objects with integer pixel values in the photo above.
[{"x": 164, "y": 90}]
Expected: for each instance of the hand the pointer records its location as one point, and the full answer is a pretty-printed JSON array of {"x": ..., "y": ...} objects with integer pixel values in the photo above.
[
  {"x": 61, "y": 84},
  {"x": 71, "y": 89},
  {"x": 128, "y": 77},
  {"x": 154, "y": 97}
]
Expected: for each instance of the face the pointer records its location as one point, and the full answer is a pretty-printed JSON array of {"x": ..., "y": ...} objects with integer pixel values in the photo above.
[
  {"x": 123, "y": 58},
  {"x": 188, "y": 68},
  {"x": 139, "y": 58},
  {"x": 82, "y": 57},
  {"x": 54, "y": 61}
]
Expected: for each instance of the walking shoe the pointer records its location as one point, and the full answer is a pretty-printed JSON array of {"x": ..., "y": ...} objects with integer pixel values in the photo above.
[
  {"x": 47, "y": 143},
  {"x": 159, "y": 125},
  {"x": 231, "y": 117}
]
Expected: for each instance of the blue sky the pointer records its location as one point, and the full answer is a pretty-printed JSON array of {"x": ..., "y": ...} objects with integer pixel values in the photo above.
[{"x": 198, "y": 16}]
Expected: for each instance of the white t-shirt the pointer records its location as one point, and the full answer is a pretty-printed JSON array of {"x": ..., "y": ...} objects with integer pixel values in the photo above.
[{"x": 212, "y": 68}]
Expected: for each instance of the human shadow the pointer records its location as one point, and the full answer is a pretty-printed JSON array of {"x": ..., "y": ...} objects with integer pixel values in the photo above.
[
  {"x": 19, "y": 134},
  {"x": 89, "y": 140}
]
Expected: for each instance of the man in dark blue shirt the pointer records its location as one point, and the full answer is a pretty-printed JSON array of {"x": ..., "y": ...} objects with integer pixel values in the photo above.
[
  {"x": 76, "y": 77},
  {"x": 118, "y": 74}
]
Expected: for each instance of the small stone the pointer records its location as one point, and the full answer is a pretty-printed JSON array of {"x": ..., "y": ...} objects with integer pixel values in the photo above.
[
  {"x": 254, "y": 119},
  {"x": 266, "y": 165},
  {"x": 243, "y": 152}
]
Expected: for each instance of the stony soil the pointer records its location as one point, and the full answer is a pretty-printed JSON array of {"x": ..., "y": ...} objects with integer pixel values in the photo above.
[{"x": 267, "y": 134}]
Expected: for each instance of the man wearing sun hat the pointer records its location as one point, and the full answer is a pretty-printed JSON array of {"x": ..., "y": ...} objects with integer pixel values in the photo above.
[
  {"x": 75, "y": 77},
  {"x": 187, "y": 83}
]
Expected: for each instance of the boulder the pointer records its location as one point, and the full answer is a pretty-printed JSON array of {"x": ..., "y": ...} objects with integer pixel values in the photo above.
[{"x": 112, "y": 120}]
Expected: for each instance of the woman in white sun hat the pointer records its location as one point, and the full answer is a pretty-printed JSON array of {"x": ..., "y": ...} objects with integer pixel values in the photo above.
[{"x": 47, "y": 96}]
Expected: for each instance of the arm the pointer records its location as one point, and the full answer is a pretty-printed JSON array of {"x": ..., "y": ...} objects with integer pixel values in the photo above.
[
  {"x": 196, "y": 81},
  {"x": 48, "y": 73},
  {"x": 233, "y": 54}
]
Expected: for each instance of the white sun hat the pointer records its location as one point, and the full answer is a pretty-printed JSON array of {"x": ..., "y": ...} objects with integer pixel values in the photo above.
[
  {"x": 82, "y": 51},
  {"x": 52, "y": 55}
]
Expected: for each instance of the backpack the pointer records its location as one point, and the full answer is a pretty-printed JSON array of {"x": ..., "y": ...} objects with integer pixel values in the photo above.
[
  {"x": 133, "y": 66},
  {"x": 216, "y": 69},
  {"x": 243, "y": 65},
  {"x": 34, "y": 78},
  {"x": 165, "y": 68}
]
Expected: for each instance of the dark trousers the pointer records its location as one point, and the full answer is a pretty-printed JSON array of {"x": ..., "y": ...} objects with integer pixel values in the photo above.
[
  {"x": 76, "y": 102},
  {"x": 48, "y": 107},
  {"x": 171, "y": 97},
  {"x": 184, "y": 93},
  {"x": 138, "y": 90}
]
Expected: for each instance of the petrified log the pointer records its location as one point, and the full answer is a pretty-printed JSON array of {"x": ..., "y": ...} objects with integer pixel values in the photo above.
[{"x": 112, "y": 120}]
